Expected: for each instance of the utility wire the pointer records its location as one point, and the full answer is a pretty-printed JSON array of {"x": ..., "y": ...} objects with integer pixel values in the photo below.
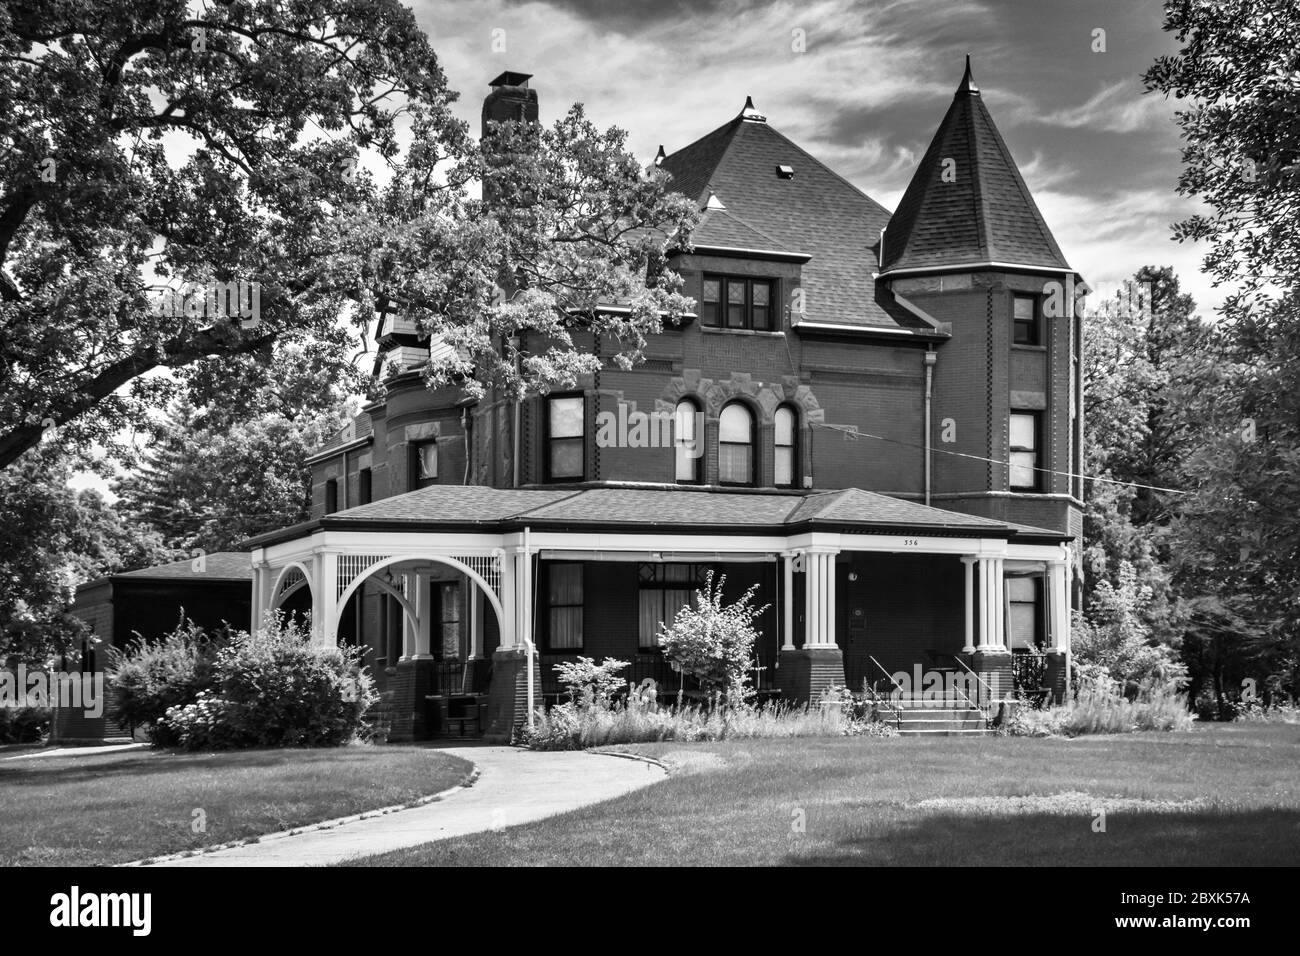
[{"x": 855, "y": 433}]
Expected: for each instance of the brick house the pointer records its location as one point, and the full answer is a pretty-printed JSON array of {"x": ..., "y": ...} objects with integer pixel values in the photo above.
[{"x": 873, "y": 417}]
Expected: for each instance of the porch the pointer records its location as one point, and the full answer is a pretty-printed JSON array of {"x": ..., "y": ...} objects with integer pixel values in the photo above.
[{"x": 464, "y": 624}]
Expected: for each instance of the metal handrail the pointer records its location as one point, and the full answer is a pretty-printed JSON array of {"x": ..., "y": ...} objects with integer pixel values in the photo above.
[
  {"x": 898, "y": 711},
  {"x": 977, "y": 677}
]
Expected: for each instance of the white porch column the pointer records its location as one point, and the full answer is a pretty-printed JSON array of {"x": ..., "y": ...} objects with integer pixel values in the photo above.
[
  {"x": 509, "y": 600},
  {"x": 1058, "y": 590},
  {"x": 969, "y": 564},
  {"x": 999, "y": 640},
  {"x": 324, "y": 597},
  {"x": 261, "y": 593},
  {"x": 421, "y": 600},
  {"x": 787, "y": 594},
  {"x": 985, "y": 625},
  {"x": 819, "y": 597}
]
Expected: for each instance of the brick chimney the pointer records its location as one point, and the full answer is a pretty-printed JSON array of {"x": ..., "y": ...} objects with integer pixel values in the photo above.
[{"x": 510, "y": 99}]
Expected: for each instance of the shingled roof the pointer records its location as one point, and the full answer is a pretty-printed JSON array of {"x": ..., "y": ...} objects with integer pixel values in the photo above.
[
  {"x": 815, "y": 212},
  {"x": 654, "y": 509},
  {"x": 983, "y": 215}
]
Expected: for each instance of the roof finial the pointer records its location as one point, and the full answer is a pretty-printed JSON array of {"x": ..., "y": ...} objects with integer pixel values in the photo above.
[
  {"x": 659, "y": 156},
  {"x": 967, "y": 80},
  {"x": 750, "y": 114}
]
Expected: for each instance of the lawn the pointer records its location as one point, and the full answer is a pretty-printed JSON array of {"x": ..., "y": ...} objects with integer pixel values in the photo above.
[
  {"x": 1218, "y": 795},
  {"x": 111, "y": 808}
]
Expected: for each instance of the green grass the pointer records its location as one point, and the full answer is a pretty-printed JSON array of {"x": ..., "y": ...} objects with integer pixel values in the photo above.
[
  {"x": 111, "y": 808},
  {"x": 1219, "y": 795}
]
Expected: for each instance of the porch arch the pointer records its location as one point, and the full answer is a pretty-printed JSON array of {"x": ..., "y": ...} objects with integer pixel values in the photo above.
[
  {"x": 489, "y": 592},
  {"x": 284, "y": 587}
]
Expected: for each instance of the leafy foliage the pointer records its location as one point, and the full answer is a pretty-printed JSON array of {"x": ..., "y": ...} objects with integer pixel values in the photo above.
[{"x": 714, "y": 642}]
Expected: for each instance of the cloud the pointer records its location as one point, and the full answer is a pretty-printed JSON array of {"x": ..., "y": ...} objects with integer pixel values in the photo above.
[{"x": 1119, "y": 107}]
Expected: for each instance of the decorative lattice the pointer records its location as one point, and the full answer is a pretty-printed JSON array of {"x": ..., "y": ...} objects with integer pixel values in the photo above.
[
  {"x": 292, "y": 579},
  {"x": 486, "y": 566},
  {"x": 351, "y": 566}
]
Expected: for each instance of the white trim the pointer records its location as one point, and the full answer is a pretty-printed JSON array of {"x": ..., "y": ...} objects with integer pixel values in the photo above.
[{"x": 988, "y": 264}]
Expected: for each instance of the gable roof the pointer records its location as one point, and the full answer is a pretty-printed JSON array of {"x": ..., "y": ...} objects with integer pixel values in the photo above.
[
  {"x": 983, "y": 215},
  {"x": 217, "y": 566},
  {"x": 815, "y": 212}
]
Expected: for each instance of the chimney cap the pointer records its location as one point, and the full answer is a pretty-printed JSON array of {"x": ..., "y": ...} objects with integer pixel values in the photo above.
[{"x": 512, "y": 79}]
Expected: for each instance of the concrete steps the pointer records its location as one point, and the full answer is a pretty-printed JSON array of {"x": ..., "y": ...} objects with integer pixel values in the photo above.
[{"x": 918, "y": 720}]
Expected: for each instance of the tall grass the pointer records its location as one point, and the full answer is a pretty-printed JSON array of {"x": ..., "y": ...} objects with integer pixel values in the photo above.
[
  {"x": 1101, "y": 709},
  {"x": 638, "y": 720}
]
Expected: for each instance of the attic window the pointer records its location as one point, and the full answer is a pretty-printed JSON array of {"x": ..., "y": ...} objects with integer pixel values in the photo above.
[{"x": 785, "y": 172}]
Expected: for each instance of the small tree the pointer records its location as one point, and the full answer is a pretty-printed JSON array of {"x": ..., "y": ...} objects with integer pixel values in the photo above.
[
  {"x": 590, "y": 683},
  {"x": 714, "y": 642}
]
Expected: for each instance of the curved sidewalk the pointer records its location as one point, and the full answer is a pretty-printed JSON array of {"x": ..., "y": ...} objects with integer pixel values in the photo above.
[{"x": 514, "y": 786}]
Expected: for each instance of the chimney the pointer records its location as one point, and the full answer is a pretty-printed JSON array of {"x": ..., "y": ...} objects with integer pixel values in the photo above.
[{"x": 510, "y": 99}]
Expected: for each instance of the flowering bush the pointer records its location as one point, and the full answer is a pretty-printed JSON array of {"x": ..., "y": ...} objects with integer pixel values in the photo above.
[
  {"x": 589, "y": 683},
  {"x": 713, "y": 642},
  {"x": 271, "y": 688},
  {"x": 150, "y": 678}
]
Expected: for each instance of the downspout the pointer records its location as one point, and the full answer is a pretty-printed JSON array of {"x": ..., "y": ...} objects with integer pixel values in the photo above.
[
  {"x": 464, "y": 430},
  {"x": 931, "y": 357},
  {"x": 514, "y": 342},
  {"x": 528, "y": 630}
]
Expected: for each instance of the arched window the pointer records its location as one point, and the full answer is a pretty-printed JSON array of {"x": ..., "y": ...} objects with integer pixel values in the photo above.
[
  {"x": 736, "y": 446},
  {"x": 785, "y": 439},
  {"x": 688, "y": 442}
]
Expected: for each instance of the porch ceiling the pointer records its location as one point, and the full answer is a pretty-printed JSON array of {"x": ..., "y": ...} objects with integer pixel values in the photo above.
[{"x": 657, "y": 509}]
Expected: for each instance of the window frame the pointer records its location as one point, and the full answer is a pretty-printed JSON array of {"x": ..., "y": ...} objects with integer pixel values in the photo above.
[
  {"x": 795, "y": 477},
  {"x": 651, "y": 577},
  {"x": 1039, "y": 604},
  {"x": 550, "y": 439},
  {"x": 698, "y": 423},
  {"x": 722, "y": 305},
  {"x": 1034, "y": 323},
  {"x": 752, "y": 445},
  {"x": 1036, "y": 419},
  {"x": 551, "y": 606},
  {"x": 417, "y": 477}
]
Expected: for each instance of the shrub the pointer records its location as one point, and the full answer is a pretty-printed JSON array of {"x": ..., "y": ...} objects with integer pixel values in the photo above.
[
  {"x": 588, "y": 682},
  {"x": 151, "y": 677},
  {"x": 272, "y": 688},
  {"x": 713, "y": 642},
  {"x": 640, "y": 719},
  {"x": 24, "y": 725},
  {"x": 1099, "y": 708}
]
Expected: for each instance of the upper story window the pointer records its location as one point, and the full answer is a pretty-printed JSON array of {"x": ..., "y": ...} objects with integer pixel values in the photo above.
[
  {"x": 1025, "y": 320},
  {"x": 565, "y": 444},
  {"x": 1025, "y": 451},
  {"x": 736, "y": 445},
  {"x": 331, "y": 496},
  {"x": 688, "y": 444},
  {"x": 786, "y": 458},
  {"x": 364, "y": 493},
  {"x": 734, "y": 302},
  {"x": 424, "y": 464}
]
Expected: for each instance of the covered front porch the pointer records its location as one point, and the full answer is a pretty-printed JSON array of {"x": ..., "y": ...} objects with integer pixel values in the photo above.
[{"x": 464, "y": 621}]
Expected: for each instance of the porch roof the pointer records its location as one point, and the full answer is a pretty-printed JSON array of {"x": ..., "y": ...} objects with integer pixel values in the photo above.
[{"x": 656, "y": 508}]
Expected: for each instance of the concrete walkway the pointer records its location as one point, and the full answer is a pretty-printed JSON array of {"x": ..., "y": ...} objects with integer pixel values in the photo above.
[
  {"x": 514, "y": 786},
  {"x": 90, "y": 750}
]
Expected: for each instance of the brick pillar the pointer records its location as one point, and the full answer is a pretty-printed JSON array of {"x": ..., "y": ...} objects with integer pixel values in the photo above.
[
  {"x": 1057, "y": 677},
  {"x": 994, "y": 668},
  {"x": 508, "y": 692},
  {"x": 411, "y": 714},
  {"x": 806, "y": 671}
]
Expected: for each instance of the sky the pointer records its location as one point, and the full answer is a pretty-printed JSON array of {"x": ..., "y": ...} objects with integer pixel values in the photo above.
[{"x": 862, "y": 86}]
